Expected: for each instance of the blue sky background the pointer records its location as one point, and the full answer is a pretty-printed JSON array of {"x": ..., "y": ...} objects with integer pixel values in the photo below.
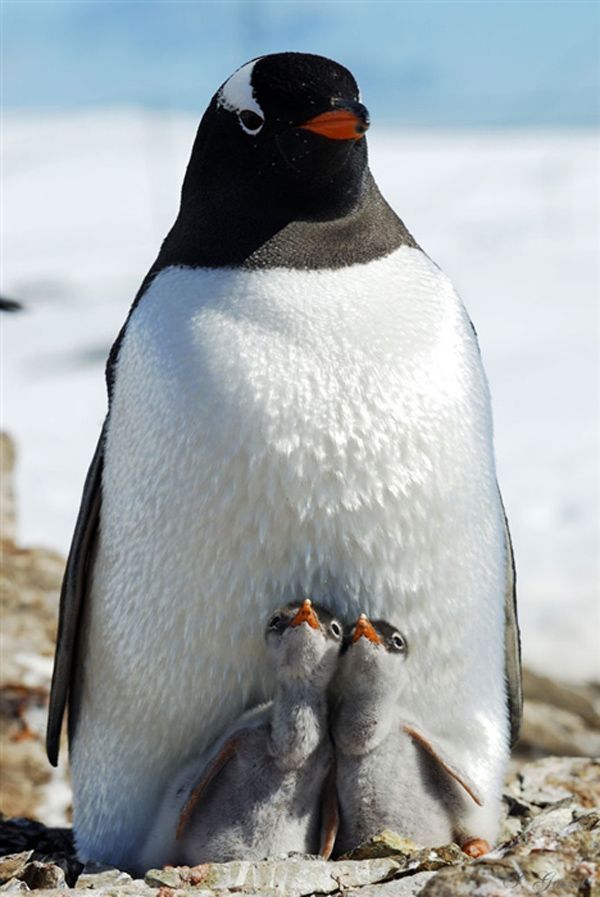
[{"x": 458, "y": 62}]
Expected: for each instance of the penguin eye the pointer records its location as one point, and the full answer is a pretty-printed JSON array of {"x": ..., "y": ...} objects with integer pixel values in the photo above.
[
  {"x": 275, "y": 621},
  {"x": 398, "y": 643},
  {"x": 335, "y": 629},
  {"x": 250, "y": 121}
]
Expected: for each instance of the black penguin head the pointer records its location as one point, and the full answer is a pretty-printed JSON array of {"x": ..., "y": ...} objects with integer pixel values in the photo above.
[
  {"x": 278, "y": 176},
  {"x": 304, "y": 641},
  {"x": 284, "y": 131}
]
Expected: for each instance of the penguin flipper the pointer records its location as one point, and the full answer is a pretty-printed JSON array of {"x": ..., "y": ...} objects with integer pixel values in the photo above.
[
  {"x": 330, "y": 814},
  {"x": 72, "y": 597},
  {"x": 209, "y": 774},
  {"x": 512, "y": 642},
  {"x": 447, "y": 765}
]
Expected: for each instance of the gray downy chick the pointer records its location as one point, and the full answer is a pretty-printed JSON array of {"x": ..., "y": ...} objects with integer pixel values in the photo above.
[
  {"x": 267, "y": 786},
  {"x": 390, "y": 774}
]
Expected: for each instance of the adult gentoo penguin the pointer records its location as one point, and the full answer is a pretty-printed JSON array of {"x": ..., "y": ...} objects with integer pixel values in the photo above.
[{"x": 297, "y": 407}]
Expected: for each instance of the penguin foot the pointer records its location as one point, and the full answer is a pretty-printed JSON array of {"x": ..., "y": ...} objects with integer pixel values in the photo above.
[{"x": 475, "y": 847}]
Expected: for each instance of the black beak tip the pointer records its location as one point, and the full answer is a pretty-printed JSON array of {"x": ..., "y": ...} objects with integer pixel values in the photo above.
[{"x": 360, "y": 111}]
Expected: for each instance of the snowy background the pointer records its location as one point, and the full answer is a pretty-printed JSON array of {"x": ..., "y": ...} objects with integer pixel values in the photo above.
[{"x": 510, "y": 213}]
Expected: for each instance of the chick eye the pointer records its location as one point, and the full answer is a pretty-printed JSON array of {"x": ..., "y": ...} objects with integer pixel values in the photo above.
[
  {"x": 398, "y": 643},
  {"x": 335, "y": 629},
  {"x": 250, "y": 121},
  {"x": 274, "y": 621}
]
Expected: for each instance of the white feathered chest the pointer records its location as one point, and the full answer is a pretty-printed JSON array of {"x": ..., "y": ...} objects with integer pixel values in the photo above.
[{"x": 276, "y": 433}]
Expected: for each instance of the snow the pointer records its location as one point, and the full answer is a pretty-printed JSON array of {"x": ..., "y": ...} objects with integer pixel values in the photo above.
[{"x": 511, "y": 216}]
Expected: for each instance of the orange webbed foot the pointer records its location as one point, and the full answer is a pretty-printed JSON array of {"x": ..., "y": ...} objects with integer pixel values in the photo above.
[{"x": 476, "y": 847}]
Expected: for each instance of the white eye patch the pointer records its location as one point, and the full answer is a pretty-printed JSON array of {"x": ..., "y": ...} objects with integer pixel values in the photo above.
[
  {"x": 251, "y": 122},
  {"x": 237, "y": 95}
]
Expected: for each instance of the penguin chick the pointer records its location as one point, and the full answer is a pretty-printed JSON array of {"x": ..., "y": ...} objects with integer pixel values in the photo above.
[
  {"x": 389, "y": 773},
  {"x": 266, "y": 787}
]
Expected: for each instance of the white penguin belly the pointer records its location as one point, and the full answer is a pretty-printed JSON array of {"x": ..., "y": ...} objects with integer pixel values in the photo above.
[{"x": 275, "y": 433}]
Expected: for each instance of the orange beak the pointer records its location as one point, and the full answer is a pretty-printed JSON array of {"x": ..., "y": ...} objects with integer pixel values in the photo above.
[
  {"x": 306, "y": 614},
  {"x": 338, "y": 124},
  {"x": 364, "y": 629}
]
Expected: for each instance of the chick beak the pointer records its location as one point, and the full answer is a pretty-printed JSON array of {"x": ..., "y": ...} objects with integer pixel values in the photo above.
[
  {"x": 365, "y": 629},
  {"x": 348, "y": 121},
  {"x": 306, "y": 614}
]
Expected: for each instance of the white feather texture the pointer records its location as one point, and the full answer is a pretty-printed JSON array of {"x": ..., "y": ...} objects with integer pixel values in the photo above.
[{"x": 275, "y": 434}]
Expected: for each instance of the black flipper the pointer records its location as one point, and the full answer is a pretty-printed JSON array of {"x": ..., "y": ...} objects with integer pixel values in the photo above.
[
  {"x": 512, "y": 643},
  {"x": 72, "y": 598}
]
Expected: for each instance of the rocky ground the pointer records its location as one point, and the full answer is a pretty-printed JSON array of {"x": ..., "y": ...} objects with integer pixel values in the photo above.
[
  {"x": 30, "y": 581},
  {"x": 550, "y": 842}
]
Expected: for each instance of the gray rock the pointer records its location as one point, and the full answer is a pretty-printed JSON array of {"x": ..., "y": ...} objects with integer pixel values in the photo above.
[
  {"x": 408, "y": 886},
  {"x": 408, "y": 855},
  {"x": 171, "y": 877},
  {"x": 385, "y": 844},
  {"x": 584, "y": 700},
  {"x": 557, "y": 731},
  {"x": 300, "y": 877},
  {"x": 12, "y": 864},
  {"x": 292, "y": 877},
  {"x": 8, "y": 509},
  {"x": 548, "y": 857},
  {"x": 137, "y": 888},
  {"x": 97, "y": 877},
  {"x": 357, "y": 873},
  {"x": 37, "y": 875},
  {"x": 490, "y": 879},
  {"x": 554, "y": 779},
  {"x": 14, "y": 886}
]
